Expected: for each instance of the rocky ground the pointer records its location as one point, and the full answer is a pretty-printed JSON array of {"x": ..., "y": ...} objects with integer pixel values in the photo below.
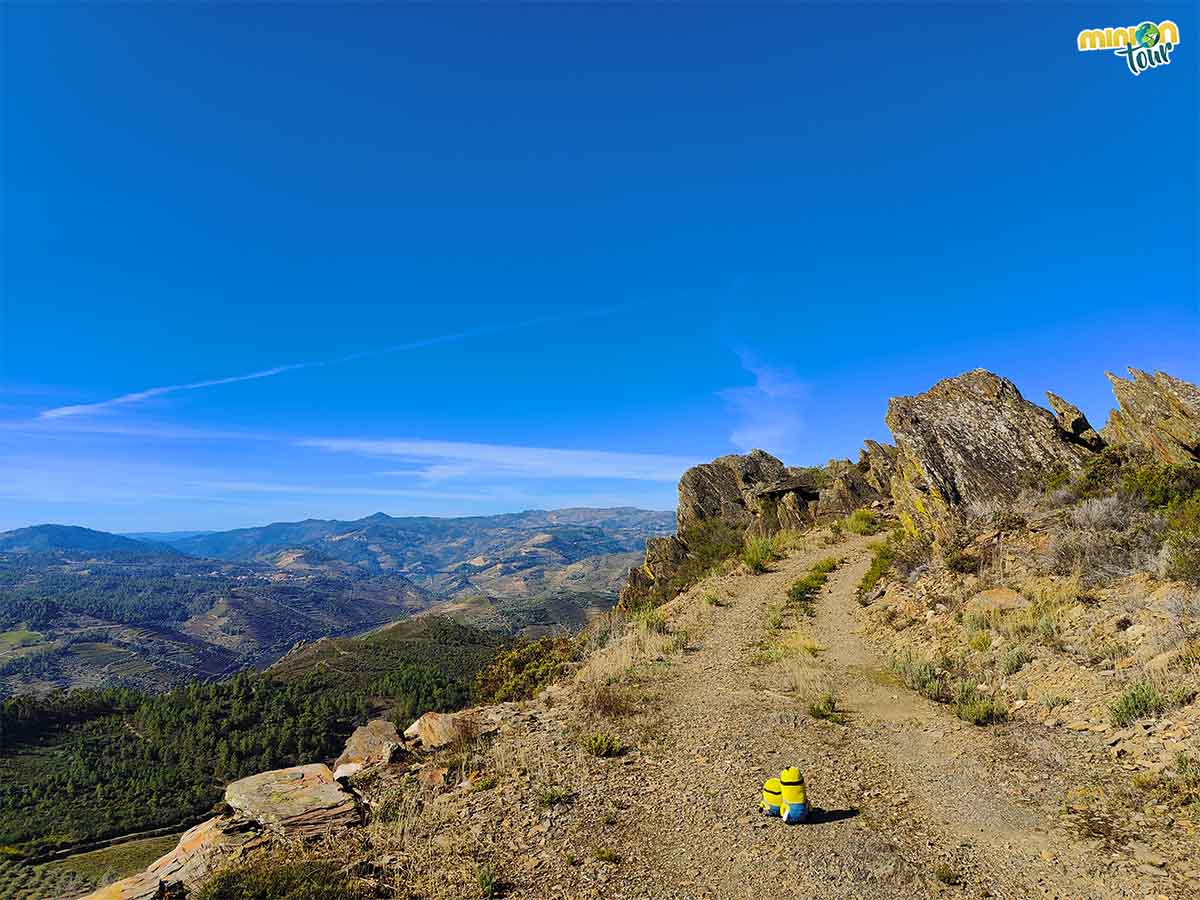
[{"x": 911, "y": 801}]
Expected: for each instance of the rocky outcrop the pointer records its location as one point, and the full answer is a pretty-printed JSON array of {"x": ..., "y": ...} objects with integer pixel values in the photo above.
[
  {"x": 878, "y": 463},
  {"x": 663, "y": 558},
  {"x": 375, "y": 743},
  {"x": 973, "y": 437},
  {"x": 752, "y": 493},
  {"x": 729, "y": 488},
  {"x": 854, "y": 485},
  {"x": 1074, "y": 423},
  {"x": 301, "y": 801},
  {"x": 1158, "y": 413},
  {"x": 435, "y": 730},
  {"x": 199, "y": 851}
]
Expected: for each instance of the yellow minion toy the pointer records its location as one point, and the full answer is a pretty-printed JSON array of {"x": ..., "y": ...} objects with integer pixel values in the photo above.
[
  {"x": 770, "y": 797},
  {"x": 793, "y": 805}
]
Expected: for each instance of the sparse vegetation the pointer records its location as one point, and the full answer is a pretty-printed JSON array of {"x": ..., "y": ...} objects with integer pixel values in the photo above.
[
  {"x": 485, "y": 783},
  {"x": 1143, "y": 698},
  {"x": 883, "y": 554},
  {"x": 825, "y": 707},
  {"x": 603, "y": 744},
  {"x": 523, "y": 671},
  {"x": 280, "y": 878},
  {"x": 709, "y": 543},
  {"x": 1182, "y": 538},
  {"x": 802, "y": 593},
  {"x": 555, "y": 795},
  {"x": 920, "y": 675},
  {"x": 758, "y": 553},
  {"x": 945, "y": 874},
  {"x": 607, "y": 855},
  {"x": 862, "y": 521},
  {"x": 1014, "y": 660},
  {"x": 488, "y": 881},
  {"x": 980, "y": 640},
  {"x": 972, "y": 706},
  {"x": 775, "y": 617},
  {"x": 653, "y": 621}
]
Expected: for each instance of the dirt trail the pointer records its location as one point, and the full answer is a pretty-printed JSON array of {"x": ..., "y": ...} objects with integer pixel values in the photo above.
[{"x": 908, "y": 798}]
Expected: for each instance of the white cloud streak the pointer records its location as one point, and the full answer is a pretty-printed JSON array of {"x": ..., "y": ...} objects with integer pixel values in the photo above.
[
  {"x": 767, "y": 413},
  {"x": 83, "y": 409},
  {"x": 446, "y": 460}
]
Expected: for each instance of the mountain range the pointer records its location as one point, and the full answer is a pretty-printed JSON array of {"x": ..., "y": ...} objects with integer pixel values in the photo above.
[{"x": 84, "y": 607}]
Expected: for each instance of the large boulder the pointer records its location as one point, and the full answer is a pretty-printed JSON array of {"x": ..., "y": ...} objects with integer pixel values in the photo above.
[
  {"x": 972, "y": 437},
  {"x": 375, "y": 743},
  {"x": 725, "y": 488},
  {"x": 435, "y": 730},
  {"x": 301, "y": 801},
  {"x": 200, "y": 850},
  {"x": 1074, "y": 423},
  {"x": 1158, "y": 413}
]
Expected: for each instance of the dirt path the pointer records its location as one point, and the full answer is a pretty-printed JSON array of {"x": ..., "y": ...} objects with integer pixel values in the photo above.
[{"x": 910, "y": 801}]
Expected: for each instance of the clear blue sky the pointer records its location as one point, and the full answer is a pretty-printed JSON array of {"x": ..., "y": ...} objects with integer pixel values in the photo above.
[{"x": 536, "y": 256}]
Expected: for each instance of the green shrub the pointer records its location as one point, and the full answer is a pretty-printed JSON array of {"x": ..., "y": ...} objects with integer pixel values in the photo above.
[
  {"x": 280, "y": 878},
  {"x": 775, "y": 617},
  {"x": 555, "y": 795},
  {"x": 651, "y": 620},
  {"x": 861, "y": 521},
  {"x": 976, "y": 708},
  {"x": 825, "y": 707},
  {"x": 803, "y": 592},
  {"x": 1142, "y": 698},
  {"x": 488, "y": 881},
  {"x": 1183, "y": 538},
  {"x": 920, "y": 675},
  {"x": 1160, "y": 484},
  {"x": 526, "y": 669},
  {"x": 945, "y": 874},
  {"x": 486, "y": 783},
  {"x": 980, "y": 640},
  {"x": 883, "y": 554},
  {"x": 607, "y": 855},
  {"x": 602, "y": 744},
  {"x": 758, "y": 553},
  {"x": 709, "y": 543},
  {"x": 1014, "y": 660}
]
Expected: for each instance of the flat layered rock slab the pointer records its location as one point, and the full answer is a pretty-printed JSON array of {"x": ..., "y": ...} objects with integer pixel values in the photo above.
[
  {"x": 198, "y": 852},
  {"x": 302, "y": 800},
  {"x": 375, "y": 743}
]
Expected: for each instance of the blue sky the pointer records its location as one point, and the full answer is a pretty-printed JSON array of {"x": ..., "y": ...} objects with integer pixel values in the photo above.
[{"x": 270, "y": 262}]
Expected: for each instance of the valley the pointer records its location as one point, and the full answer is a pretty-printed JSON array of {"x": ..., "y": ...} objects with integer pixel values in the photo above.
[{"x": 82, "y": 608}]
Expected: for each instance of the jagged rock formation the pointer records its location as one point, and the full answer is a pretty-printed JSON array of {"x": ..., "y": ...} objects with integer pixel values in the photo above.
[
  {"x": 758, "y": 494},
  {"x": 972, "y": 437},
  {"x": 1158, "y": 413},
  {"x": 1071, "y": 420},
  {"x": 854, "y": 485},
  {"x": 374, "y": 743},
  {"x": 745, "y": 491},
  {"x": 663, "y": 558}
]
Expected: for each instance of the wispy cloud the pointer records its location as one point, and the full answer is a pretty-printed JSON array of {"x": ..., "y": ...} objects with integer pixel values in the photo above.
[
  {"x": 767, "y": 414},
  {"x": 80, "y": 409},
  {"x": 446, "y": 460}
]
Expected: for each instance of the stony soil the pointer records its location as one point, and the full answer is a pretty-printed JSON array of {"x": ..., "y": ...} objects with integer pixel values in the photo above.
[{"x": 910, "y": 801}]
